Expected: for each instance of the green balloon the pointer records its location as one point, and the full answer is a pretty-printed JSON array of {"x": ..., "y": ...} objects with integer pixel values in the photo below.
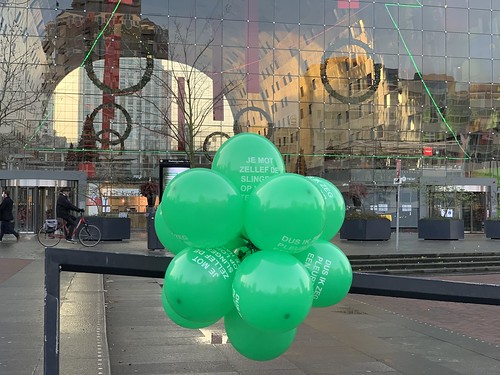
[
  {"x": 165, "y": 235},
  {"x": 179, "y": 320},
  {"x": 198, "y": 283},
  {"x": 253, "y": 343},
  {"x": 247, "y": 159},
  {"x": 334, "y": 206},
  {"x": 203, "y": 208},
  {"x": 272, "y": 291},
  {"x": 331, "y": 272},
  {"x": 285, "y": 213}
]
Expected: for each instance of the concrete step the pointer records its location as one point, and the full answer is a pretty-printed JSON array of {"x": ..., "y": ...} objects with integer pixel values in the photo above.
[
  {"x": 457, "y": 264},
  {"x": 436, "y": 271},
  {"x": 424, "y": 256},
  {"x": 430, "y": 263}
]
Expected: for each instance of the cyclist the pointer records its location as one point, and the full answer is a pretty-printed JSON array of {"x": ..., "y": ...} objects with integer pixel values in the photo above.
[{"x": 63, "y": 211}]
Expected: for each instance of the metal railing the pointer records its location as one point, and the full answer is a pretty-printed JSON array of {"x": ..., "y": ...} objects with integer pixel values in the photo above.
[{"x": 59, "y": 260}]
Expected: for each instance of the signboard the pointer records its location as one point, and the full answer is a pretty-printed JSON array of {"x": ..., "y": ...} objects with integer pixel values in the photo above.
[
  {"x": 168, "y": 170},
  {"x": 406, "y": 207},
  {"x": 427, "y": 151}
]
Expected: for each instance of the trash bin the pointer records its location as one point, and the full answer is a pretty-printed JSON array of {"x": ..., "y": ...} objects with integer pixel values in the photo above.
[{"x": 153, "y": 241}]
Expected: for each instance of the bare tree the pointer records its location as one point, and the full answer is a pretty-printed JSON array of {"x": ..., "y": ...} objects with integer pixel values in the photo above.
[
  {"x": 21, "y": 84},
  {"x": 18, "y": 90},
  {"x": 187, "y": 79}
]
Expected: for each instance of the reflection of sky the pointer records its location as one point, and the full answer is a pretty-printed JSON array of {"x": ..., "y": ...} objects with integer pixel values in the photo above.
[
  {"x": 150, "y": 8},
  {"x": 388, "y": 44}
]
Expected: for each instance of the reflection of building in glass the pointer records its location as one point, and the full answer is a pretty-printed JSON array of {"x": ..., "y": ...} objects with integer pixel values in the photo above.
[
  {"x": 74, "y": 40},
  {"x": 148, "y": 131},
  {"x": 343, "y": 89}
]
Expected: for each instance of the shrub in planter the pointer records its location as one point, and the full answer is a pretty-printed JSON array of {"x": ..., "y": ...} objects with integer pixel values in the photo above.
[
  {"x": 441, "y": 229},
  {"x": 443, "y": 222},
  {"x": 365, "y": 226},
  {"x": 492, "y": 228}
]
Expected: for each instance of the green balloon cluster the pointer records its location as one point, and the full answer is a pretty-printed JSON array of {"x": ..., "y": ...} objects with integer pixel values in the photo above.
[{"x": 251, "y": 246}]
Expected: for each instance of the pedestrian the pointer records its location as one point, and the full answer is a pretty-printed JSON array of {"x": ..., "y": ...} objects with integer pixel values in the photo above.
[
  {"x": 63, "y": 211},
  {"x": 6, "y": 216}
]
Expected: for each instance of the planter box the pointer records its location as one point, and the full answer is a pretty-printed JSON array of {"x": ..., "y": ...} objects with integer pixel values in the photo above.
[
  {"x": 492, "y": 229},
  {"x": 441, "y": 229},
  {"x": 112, "y": 228},
  {"x": 366, "y": 230}
]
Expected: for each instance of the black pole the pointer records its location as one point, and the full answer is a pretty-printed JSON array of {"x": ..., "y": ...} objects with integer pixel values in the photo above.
[
  {"x": 425, "y": 289},
  {"x": 51, "y": 315},
  {"x": 57, "y": 260}
]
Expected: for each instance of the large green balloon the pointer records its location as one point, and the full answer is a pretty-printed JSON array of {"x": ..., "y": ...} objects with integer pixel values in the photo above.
[
  {"x": 179, "y": 320},
  {"x": 285, "y": 213},
  {"x": 165, "y": 235},
  {"x": 198, "y": 283},
  {"x": 247, "y": 159},
  {"x": 254, "y": 343},
  {"x": 334, "y": 206},
  {"x": 331, "y": 272},
  {"x": 203, "y": 208},
  {"x": 272, "y": 291}
]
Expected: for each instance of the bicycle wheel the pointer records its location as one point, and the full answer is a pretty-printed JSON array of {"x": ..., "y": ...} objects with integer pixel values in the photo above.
[
  {"x": 89, "y": 235},
  {"x": 49, "y": 237}
]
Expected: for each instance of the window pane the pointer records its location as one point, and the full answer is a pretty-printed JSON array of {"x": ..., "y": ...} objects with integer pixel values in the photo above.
[
  {"x": 480, "y": 71},
  {"x": 433, "y": 43},
  {"x": 456, "y": 45},
  {"x": 457, "y": 19},
  {"x": 433, "y": 18},
  {"x": 480, "y": 21},
  {"x": 480, "y": 46},
  {"x": 458, "y": 68}
]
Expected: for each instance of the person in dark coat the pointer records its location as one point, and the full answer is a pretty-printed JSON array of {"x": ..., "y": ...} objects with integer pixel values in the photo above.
[
  {"x": 6, "y": 216},
  {"x": 63, "y": 210}
]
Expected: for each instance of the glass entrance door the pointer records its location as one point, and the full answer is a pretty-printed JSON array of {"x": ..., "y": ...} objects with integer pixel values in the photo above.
[
  {"x": 46, "y": 201},
  {"x": 474, "y": 212},
  {"x": 31, "y": 205},
  {"x": 24, "y": 203}
]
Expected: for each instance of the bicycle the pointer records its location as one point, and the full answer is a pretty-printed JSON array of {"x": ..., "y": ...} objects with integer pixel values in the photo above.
[{"x": 53, "y": 230}]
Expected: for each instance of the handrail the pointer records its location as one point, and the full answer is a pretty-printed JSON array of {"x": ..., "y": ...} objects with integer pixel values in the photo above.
[{"x": 85, "y": 261}]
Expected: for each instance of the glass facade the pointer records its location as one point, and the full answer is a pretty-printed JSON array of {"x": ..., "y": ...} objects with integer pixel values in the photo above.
[{"x": 344, "y": 89}]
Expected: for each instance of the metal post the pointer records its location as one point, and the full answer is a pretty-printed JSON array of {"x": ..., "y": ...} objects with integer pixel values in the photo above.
[
  {"x": 398, "y": 177},
  {"x": 397, "y": 215},
  {"x": 51, "y": 316},
  {"x": 425, "y": 289}
]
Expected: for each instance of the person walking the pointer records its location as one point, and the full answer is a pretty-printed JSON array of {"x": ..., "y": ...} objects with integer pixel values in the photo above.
[
  {"x": 6, "y": 216},
  {"x": 63, "y": 210}
]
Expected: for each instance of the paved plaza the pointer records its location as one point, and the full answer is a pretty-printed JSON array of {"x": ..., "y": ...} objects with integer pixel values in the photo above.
[{"x": 115, "y": 324}]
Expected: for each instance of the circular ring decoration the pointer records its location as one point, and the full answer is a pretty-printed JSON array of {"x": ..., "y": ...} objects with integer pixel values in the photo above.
[
  {"x": 111, "y": 131},
  {"x": 270, "y": 125},
  {"x": 146, "y": 77},
  {"x": 121, "y": 138},
  {"x": 326, "y": 83},
  {"x": 207, "y": 141}
]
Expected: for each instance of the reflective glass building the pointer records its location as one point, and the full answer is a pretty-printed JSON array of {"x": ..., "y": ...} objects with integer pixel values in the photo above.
[{"x": 357, "y": 92}]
